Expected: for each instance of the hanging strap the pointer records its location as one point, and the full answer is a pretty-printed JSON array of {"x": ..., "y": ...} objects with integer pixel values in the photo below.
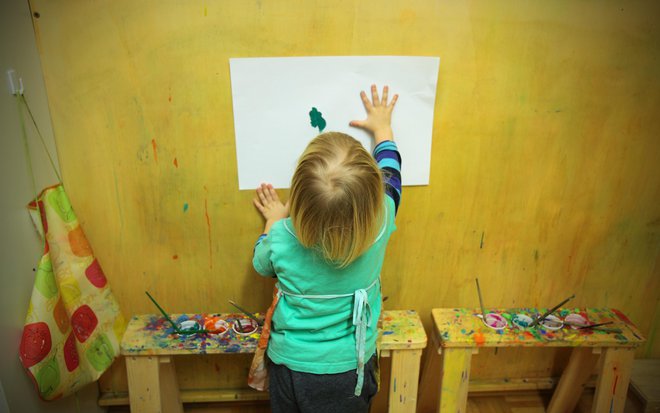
[
  {"x": 41, "y": 138},
  {"x": 21, "y": 101},
  {"x": 361, "y": 320},
  {"x": 28, "y": 159},
  {"x": 362, "y": 316}
]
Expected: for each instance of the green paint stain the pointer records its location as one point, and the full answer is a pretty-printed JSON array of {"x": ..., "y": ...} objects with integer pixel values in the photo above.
[
  {"x": 185, "y": 207},
  {"x": 621, "y": 337},
  {"x": 536, "y": 334},
  {"x": 316, "y": 119}
]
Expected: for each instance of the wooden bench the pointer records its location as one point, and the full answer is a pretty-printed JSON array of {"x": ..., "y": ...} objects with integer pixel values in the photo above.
[
  {"x": 459, "y": 333},
  {"x": 149, "y": 345}
]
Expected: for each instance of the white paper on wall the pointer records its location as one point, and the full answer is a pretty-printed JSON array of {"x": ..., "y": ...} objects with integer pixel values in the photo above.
[{"x": 273, "y": 98}]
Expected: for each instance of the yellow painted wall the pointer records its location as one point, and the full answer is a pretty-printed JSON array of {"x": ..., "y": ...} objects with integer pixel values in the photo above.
[{"x": 545, "y": 177}]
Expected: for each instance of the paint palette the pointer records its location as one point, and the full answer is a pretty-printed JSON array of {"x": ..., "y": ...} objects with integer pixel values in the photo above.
[
  {"x": 521, "y": 321},
  {"x": 245, "y": 326},
  {"x": 552, "y": 323},
  {"x": 495, "y": 321},
  {"x": 189, "y": 328},
  {"x": 216, "y": 326},
  {"x": 576, "y": 321}
]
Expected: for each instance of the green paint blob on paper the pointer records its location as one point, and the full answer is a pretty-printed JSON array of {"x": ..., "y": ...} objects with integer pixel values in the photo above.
[
  {"x": 316, "y": 119},
  {"x": 185, "y": 207}
]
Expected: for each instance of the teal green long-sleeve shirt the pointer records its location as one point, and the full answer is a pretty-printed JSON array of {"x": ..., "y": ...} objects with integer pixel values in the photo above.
[{"x": 315, "y": 335}]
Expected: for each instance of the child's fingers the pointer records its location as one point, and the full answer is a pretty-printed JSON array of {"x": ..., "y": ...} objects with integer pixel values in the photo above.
[
  {"x": 258, "y": 204},
  {"x": 273, "y": 193},
  {"x": 265, "y": 192},
  {"x": 384, "y": 100},
  {"x": 374, "y": 95},
  {"x": 357, "y": 123},
  {"x": 365, "y": 101},
  {"x": 262, "y": 194},
  {"x": 394, "y": 99}
]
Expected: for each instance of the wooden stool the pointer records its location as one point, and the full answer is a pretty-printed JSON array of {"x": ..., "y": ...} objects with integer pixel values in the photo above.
[
  {"x": 459, "y": 333},
  {"x": 403, "y": 338},
  {"x": 149, "y": 345}
]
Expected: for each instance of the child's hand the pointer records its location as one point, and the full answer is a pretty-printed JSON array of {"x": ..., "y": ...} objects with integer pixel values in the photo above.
[
  {"x": 379, "y": 115},
  {"x": 270, "y": 206}
]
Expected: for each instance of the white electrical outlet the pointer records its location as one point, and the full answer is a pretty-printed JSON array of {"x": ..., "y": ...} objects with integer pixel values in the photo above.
[{"x": 15, "y": 83}]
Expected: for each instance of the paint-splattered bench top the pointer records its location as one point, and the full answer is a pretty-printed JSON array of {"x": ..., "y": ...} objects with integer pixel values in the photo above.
[
  {"x": 461, "y": 327},
  {"x": 151, "y": 334},
  {"x": 401, "y": 330}
]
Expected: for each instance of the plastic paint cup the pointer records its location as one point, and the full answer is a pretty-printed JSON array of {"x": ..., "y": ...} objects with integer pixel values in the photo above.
[
  {"x": 521, "y": 320},
  {"x": 495, "y": 321},
  {"x": 216, "y": 326},
  {"x": 245, "y": 326},
  {"x": 552, "y": 323},
  {"x": 189, "y": 328},
  {"x": 576, "y": 321}
]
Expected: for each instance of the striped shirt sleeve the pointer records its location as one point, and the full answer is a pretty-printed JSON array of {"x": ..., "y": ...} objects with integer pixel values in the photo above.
[{"x": 389, "y": 161}]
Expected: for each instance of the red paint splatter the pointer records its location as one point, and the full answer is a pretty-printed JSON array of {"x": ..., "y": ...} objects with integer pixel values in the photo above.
[
  {"x": 176, "y": 163},
  {"x": 208, "y": 225},
  {"x": 175, "y": 257},
  {"x": 622, "y": 317},
  {"x": 153, "y": 145},
  {"x": 585, "y": 316}
]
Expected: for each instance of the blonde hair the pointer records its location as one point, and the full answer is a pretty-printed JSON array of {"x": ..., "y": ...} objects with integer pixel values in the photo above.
[{"x": 337, "y": 196}]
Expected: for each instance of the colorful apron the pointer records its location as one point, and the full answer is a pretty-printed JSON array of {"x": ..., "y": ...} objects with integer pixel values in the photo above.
[
  {"x": 258, "y": 375},
  {"x": 73, "y": 326}
]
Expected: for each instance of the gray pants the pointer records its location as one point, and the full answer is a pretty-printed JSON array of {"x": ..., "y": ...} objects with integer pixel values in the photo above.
[{"x": 295, "y": 392}]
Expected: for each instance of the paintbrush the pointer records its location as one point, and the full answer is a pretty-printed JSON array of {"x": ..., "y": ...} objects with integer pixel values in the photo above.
[
  {"x": 550, "y": 311},
  {"x": 594, "y": 325},
  {"x": 176, "y": 328},
  {"x": 247, "y": 313},
  {"x": 481, "y": 301}
]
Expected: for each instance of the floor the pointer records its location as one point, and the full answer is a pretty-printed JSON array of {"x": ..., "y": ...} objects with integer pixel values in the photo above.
[
  {"x": 519, "y": 402},
  {"x": 535, "y": 402}
]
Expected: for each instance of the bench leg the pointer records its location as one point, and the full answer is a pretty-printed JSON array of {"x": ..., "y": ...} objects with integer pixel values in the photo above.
[
  {"x": 152, "y": 385},
  {"x": 429, "y": 379},
  {"x": 613, "y": 379},
  {"x": 404, "y": 381},
  {"x": 571, "y": 384},
  {"x": 454, "y": 379}
]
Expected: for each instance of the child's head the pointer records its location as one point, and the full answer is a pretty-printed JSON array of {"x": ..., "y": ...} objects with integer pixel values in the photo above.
[{"x": 337, "y": 198}]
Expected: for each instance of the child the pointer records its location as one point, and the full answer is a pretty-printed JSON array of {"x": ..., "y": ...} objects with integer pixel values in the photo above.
[{"x": 327, "y": 257}]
